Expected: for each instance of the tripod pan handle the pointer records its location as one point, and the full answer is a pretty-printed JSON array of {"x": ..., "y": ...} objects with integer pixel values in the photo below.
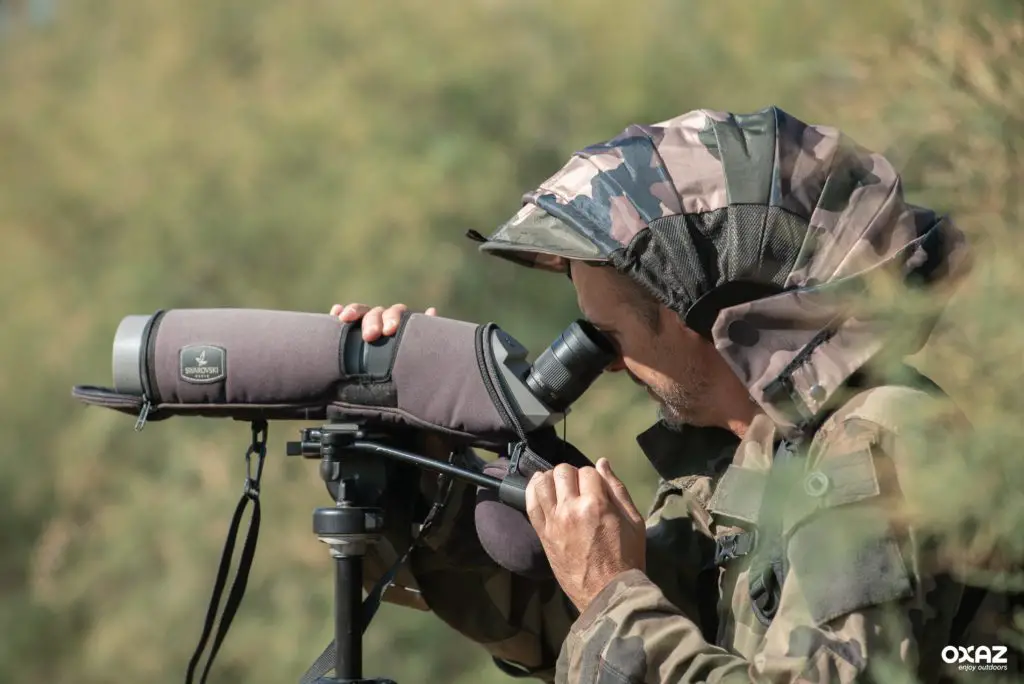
[{"x": 512, "y": 491}]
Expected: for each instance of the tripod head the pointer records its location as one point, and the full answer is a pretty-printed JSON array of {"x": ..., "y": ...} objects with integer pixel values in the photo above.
[
  {"x": 351, "y": 477},
  {"x": 354, "y": 439}
]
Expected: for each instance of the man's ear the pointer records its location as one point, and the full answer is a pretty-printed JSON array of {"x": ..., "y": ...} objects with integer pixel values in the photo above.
[{"x": 671, "y": 318}]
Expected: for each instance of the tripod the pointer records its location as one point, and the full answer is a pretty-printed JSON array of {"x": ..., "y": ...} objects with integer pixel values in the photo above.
[{"x": 357, "y": 477}]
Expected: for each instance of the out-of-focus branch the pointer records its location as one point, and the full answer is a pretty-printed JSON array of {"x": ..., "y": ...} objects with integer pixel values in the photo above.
[
  {"x": 988, "y": 68},
  {"x": 959, "y": 80}
]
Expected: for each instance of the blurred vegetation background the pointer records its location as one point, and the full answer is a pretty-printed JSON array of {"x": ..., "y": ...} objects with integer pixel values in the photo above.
[{"x": 253, "y": 153}]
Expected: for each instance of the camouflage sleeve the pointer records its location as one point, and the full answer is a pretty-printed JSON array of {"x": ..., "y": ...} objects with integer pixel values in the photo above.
[
  {"x": 632, "y": 633},
  {"x": 862, "y": 599}
]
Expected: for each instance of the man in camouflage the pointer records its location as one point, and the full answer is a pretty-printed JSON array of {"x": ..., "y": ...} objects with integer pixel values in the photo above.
[{"x": 748, "y": 269}]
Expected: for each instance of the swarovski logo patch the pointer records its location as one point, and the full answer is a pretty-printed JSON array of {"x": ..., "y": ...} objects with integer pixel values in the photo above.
[{"x": 203, "y": 363}]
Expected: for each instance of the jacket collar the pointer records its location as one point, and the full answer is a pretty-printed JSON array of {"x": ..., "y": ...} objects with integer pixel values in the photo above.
[{"x": 687, "y": 450}]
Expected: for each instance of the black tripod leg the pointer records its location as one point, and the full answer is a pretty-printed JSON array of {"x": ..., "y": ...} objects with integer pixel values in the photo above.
[{"x": 348, "y": 628}]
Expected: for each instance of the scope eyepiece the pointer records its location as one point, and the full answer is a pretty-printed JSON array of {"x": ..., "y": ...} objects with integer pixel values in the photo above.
[{"x": 570, "y": 365}]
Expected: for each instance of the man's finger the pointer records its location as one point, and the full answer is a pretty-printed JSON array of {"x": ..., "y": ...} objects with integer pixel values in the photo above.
[
  {"x": 392, "y": 316},
  {"x": 618, "y": 490},
  {"x": 540, "y": 498},
  {"x": 373, "y": 323},
  {"x": 352, "y": 312},
  {"x": 431, "y": 311},
  {"x": 566, "y": 485},
  {"x": 592, "y": 485}
]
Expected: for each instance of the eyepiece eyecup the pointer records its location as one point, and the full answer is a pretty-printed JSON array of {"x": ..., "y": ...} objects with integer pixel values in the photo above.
[{"x": 570, "y": 365}]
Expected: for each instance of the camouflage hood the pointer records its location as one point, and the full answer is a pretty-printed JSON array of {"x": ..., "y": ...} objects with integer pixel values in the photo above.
[{"x": 756, "y": 229}]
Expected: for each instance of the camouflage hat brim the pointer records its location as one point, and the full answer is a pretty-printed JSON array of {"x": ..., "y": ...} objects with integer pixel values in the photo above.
[{"x": 537, "y": 239}]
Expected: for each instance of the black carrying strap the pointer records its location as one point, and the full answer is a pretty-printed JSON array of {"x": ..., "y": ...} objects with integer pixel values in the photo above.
[
  {"x": 326, "y": 660},
  {"x": 251, "y": 492}
]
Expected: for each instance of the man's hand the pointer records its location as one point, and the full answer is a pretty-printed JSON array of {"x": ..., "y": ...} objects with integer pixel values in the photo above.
[
  {"x": 377, "y": 320},
  {"x": 590, "y": 529}
]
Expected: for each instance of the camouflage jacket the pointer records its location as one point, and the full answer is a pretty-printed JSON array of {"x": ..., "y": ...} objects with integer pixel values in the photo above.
[{"x": 863, "y": 598}]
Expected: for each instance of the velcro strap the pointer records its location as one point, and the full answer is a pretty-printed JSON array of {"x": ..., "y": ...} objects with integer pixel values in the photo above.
[
  {"x": 846, "y": 560},
  {"x": 738, "y": 494}
]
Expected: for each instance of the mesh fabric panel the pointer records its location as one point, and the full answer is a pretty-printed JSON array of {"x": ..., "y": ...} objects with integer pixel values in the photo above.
[{"x": 680, "y": 258}]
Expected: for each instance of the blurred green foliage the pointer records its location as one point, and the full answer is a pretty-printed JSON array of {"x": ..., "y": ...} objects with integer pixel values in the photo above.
[{"x": 293, "y": 155}]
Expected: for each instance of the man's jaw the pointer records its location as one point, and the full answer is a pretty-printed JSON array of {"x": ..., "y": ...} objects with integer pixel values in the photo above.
[{"x": 669, "y": 417}]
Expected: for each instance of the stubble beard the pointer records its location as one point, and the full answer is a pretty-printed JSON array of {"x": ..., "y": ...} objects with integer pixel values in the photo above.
[{"x": 681, "y": 402}]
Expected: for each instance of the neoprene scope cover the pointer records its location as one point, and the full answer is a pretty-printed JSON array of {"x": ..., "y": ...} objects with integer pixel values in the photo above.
[{"x": 435, "y": 373}]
